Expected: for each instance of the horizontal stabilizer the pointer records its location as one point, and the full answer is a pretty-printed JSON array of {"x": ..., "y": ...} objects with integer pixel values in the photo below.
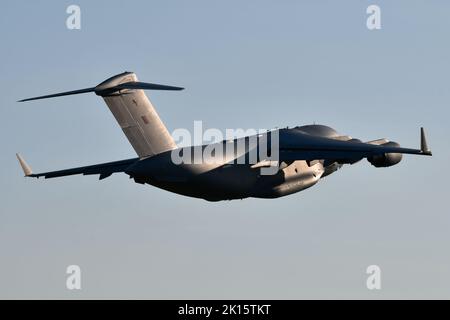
[
  {"x": 146, "y": 86},
  {"x": 102, "y": 90},
  {"x": 68, "y": 93}
]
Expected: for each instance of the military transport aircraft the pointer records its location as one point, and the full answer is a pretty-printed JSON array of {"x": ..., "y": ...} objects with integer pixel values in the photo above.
[{"x": 304, "y": 154}]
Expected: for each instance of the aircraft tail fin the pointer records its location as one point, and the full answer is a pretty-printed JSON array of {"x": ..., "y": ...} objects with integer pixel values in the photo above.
[
  {"x": 133, "y": 111},
  {"x": 136, "y": 115}
]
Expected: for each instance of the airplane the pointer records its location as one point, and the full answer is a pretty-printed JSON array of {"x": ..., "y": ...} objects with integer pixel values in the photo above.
[{"x": 305, "y": 154}]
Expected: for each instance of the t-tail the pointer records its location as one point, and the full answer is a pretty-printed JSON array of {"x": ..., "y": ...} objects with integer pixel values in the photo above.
[{"x": 134, "y": 112}]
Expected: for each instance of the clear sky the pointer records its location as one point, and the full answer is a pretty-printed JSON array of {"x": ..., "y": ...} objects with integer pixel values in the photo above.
[{"x": 245, "y": 64}]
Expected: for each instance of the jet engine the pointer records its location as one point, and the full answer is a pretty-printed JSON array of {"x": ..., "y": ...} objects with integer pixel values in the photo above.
[{"x": 386, "y": 159}]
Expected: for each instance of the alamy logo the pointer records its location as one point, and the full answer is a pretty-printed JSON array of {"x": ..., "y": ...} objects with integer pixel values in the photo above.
[
  {"x": 73, "y": 281},
  {"x": 373, "y": 281},
  {"x": 374, "y": 19},
  {"x": 212, "y": 147},
  {"x": 73, "y": 22}
]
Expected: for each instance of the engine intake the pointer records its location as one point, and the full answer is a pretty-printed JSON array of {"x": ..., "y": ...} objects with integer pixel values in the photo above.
[{"x": 386, "y": 159}]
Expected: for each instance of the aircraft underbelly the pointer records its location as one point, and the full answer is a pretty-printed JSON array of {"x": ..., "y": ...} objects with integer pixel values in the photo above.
[
  {"x": 240, "y": 182},
  {"x": 220, "y": 184},
  {"x": 225, "y": 182}
]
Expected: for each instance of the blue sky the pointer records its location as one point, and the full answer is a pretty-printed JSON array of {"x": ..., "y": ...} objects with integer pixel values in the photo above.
[{"x": 252, "y": 64}]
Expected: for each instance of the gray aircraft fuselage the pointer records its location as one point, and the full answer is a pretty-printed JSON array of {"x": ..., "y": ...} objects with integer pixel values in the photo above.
[{"x": 228, "y": 180}]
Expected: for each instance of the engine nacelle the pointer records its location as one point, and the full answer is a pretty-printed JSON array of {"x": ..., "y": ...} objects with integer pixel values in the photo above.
[{"x": 386, "y": 159}]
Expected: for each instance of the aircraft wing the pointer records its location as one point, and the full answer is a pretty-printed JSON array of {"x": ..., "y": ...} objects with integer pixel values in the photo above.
[
  {"x": 102, "y": 169},
  {"x": 301, "y": 146}
]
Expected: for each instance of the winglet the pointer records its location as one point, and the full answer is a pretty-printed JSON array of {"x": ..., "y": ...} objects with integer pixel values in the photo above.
[
  {"x": 25, "y": 167},
  {"x": 423, "y": 143}
]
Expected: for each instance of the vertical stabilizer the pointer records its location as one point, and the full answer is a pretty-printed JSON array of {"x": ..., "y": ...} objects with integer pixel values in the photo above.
[{"x": 137, "y": 117}]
